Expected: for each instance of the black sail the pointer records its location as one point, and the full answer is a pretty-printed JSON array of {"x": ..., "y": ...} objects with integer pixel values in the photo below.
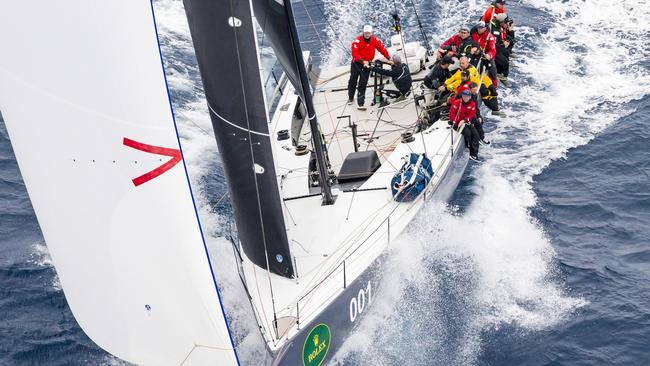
[
  {"x": 273, "y": 18},
  {"x": 224, "y": 41}
]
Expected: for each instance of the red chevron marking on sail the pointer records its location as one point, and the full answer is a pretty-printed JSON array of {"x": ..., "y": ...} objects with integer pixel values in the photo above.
[{"x": 175, "y": 155}]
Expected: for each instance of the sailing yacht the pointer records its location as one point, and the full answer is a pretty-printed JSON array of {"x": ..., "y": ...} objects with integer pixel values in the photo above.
[{"x": 313, "y": 188}]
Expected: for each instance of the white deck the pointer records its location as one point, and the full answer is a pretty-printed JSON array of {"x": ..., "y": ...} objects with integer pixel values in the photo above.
[{"x": 355, "y": 229}]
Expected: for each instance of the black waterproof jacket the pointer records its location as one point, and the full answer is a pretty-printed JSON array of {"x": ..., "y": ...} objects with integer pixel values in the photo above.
[
  {"x": 436, "y": 77},
  {"x": 400, "y": 75}
]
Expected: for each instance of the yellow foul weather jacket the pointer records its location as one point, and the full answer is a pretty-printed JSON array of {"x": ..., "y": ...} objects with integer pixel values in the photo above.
[{"x": 453, "y": 82}]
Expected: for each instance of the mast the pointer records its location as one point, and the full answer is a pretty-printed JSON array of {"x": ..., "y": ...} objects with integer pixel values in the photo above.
[
  {"x": 276, "y": 20},
  {"x": 319, "y": 147}
]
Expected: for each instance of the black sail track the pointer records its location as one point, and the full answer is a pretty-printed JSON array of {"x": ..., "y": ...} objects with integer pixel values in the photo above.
[{"x": 224, "y": 41}]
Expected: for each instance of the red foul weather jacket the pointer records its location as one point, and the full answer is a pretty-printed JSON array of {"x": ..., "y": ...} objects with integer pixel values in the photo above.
[
  {"x": 365, "y": 51},
  {"x": 455, "y": 40},
  {"x": 484, "y": 38},
  {"x": 463, "y": 86},
  {"x": 461, "y": 111},
  {"x": 487, "y": 16}
]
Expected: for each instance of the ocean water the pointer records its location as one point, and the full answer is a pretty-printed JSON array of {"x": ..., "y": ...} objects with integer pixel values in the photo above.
[{"x": 541, "y": 258}]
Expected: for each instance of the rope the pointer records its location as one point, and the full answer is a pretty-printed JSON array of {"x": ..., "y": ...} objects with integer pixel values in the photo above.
[{"x": 250, "y": 145}]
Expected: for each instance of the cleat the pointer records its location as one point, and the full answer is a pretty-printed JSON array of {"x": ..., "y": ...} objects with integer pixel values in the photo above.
[
  {"x": 350, "y": 101},
  {"x": 361, "y": 107},
  {"x": 474, "y": 157}
]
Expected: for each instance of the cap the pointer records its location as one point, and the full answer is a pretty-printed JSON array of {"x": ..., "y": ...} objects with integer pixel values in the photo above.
[
  {"x": 464, "y": 28},
  {"x": 500, "y": 2},
  {"x": 466, "y": 92},
  {"x": 396, "y": 59},
  {"x": 367, "y": 28},
  {"x": 446, "y": 61},
  {"x": 480, "y": 25},
  {"x": 501, "y": 17}
]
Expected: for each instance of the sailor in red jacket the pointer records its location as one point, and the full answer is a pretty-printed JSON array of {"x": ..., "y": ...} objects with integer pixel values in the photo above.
[
  {"x": 497, "y": 7},
  {"x": 363, "y": 52},
  {"x": 487, "y": 43},
  {"x": 485, "y": 40},
  {"x": 463, "y": 112},
  {"x": 454, "y": 45}
]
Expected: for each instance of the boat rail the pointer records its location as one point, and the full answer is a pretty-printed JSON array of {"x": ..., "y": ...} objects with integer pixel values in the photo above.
[{"x": 339, "y": 275}]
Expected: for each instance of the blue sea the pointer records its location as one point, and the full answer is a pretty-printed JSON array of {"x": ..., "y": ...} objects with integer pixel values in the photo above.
[{"x": 541, "y": 258}]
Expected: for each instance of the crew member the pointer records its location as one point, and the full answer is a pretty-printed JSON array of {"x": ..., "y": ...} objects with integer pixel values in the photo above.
[
  {"x": 465, "y": 82},
  {"x": 401, "y": 76},
  {"x": 363, "y": 52},
  {"x": 497, "y": 7},
  {"x": 438, "y": 74},
  {"x": 505, "y": 42},
  {"x": 487, "y": 43},
  {"x": 461, "y": 114},
  {"x": 453, "y": 45},
  {"x": 502, "y": 59},
  {"x": 478, "y": 120},
  {"x": 455, "y": 80}
]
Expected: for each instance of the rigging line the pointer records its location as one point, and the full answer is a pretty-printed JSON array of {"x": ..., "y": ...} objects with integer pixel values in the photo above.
[
  {"x": 338, "y": 142},
  {"x": 289, "y": 212},
  {"x": 257, "y": 286},
  {"x": 188, "y": 119},
  {"x": 424, "y": 35},
  {"x": 372, "y": 135},
  {"x": 221, "y": 199},
  {"x": 415, "y": 102},
  {"x": 311, "y": 21},
  {"x": 250, "y": 145},
  {"x": 347, "y": 50}
]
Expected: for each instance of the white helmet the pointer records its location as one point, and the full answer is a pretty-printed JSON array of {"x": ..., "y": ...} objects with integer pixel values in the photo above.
[{"x": 367, "y": 28}]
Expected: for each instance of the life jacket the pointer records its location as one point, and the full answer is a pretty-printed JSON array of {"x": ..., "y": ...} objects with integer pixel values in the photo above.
[
  {"x": 488, "y": 93},
  {"x": 455, "y": 80},
  {"x": 363, "y": 50},
  {"x": 461, "y": 111},
  {"x": 487, "y": 16},
  {"x": 487, "y": 42}
]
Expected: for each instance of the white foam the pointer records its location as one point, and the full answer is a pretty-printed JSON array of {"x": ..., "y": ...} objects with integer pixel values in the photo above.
[{"x": 40, "y": 257}]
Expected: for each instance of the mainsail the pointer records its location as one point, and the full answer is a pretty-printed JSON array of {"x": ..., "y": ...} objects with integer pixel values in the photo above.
[
  {"x": 83, "y": 94},
  {"x": 225, "y": 45}
]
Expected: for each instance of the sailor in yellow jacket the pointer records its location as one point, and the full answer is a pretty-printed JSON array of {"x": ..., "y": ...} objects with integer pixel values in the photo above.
[{"x": 454, "y": 81}]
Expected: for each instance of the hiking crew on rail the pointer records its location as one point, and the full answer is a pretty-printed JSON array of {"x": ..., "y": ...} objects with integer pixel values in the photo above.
[{"x": 468, "y": 69}]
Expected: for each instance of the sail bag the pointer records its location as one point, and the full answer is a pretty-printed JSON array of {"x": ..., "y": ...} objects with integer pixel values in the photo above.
[{"x": 412, "y": 178}]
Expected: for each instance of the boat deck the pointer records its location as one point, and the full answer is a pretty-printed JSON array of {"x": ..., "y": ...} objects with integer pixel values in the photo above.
[{"x": 332, "y": 245}]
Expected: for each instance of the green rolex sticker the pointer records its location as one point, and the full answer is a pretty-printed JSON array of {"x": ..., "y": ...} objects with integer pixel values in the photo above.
[{"x": 316, "y": 345}]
